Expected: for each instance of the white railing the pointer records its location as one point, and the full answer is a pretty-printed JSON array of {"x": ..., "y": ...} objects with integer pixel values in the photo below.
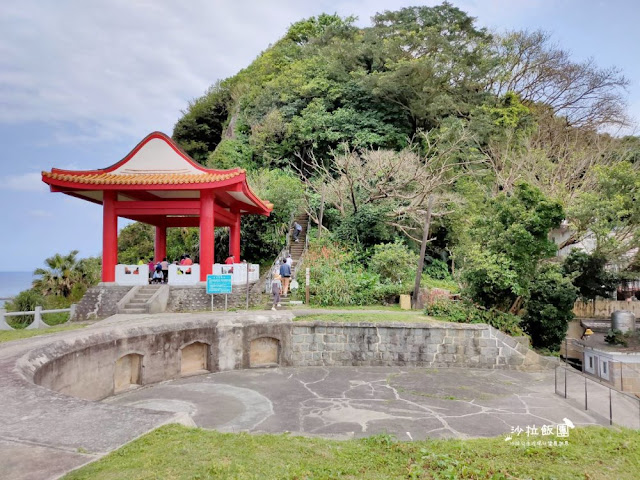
[
  {"x": 238, "y": 272},
  {"x": 37, "y": 317},
  {"x": 184, "y": 274},
  {"x": 132, "y": 274}
]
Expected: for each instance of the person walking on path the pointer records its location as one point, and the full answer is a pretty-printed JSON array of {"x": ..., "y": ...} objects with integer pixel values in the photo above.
[
  {"x": 297, "y": 228},
  {"x": 285, "y": 273},
  {"x": 276, "y": 289}
]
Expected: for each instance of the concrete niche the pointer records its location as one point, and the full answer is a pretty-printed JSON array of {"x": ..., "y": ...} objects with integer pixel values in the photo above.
[
  {"x": 264, "y": 352},
  {"x": 194, "y": 358},
  {"x": 127, "y": 372}
]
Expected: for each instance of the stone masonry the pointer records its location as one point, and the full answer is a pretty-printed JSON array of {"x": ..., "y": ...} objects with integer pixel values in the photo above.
[
  {"x": 194, "y": 298},
  {"x": 99, "y": 302},
  {"x": 449, "y": 345}
]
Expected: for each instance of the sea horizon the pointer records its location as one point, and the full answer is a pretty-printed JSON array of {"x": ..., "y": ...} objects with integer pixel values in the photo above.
[{"x": 12, "y": 282}]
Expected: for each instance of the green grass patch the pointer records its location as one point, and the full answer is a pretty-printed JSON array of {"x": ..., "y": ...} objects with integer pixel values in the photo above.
[
  {"x": 9, "y": 335},
  {"x": 445, "y": 284},
  {"x": 177, "y": 452},
  {"x": 386, "y": 308},
  {"x": 391, "y": 316}
]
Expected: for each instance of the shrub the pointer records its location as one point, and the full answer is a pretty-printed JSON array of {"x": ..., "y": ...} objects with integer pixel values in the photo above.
[
  {"x": 466, "y": 312},
  {"x": 549, "y": 307},
  {"x": 25, "y": 301},
  {"x": 438, "y": 270},
  {"x": 394, "y": 262},
  {"x": 339, "y": 278}
]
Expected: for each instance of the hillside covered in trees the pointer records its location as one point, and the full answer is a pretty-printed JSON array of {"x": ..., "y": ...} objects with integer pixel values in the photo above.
[{"x": 507, "y": 132}]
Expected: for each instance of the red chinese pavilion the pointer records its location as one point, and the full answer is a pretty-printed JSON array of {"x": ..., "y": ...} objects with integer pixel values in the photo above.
[{"x": 158, "y": 184}]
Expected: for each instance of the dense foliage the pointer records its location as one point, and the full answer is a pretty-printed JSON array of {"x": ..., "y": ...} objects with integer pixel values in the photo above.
[
  {"x": 467, "y": 312},
  {"x": 362, "y": 126},
  {"x": 504, "y": 243},
  {"x": 549, "y": 307},
  {"x": 63, "y": 281},
  {"x": 589, "y": 275}
]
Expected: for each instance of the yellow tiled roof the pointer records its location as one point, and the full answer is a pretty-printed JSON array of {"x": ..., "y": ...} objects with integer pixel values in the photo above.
[{"x": 142, "y": 178}]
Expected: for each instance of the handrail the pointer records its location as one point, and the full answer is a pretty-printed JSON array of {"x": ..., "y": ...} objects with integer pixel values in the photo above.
[
  {"x": 301, "y": 260},
  {"x": 37, "y": 320}
]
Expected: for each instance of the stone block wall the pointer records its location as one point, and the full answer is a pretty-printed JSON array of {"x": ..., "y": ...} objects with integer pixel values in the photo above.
[
  {"x": 368, "y": 344},
  {"x": 194, "y": 298},
  {"x": 99, "y": 302}
]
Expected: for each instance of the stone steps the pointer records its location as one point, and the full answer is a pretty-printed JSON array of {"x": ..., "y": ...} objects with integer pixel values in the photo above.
[{"x": 138, "y": 304}]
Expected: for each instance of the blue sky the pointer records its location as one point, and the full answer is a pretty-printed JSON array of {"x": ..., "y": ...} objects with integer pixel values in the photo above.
[{"x": 81, "y": 83}]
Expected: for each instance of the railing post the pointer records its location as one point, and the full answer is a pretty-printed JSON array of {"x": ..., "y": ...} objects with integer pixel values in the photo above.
[
  {"x": 37, "y": 320},
  {"x": 3, "y": 322},
  {"x": 610, "y": 409},
  {"x": 72, "y": 312},
  {"x": 621, "y": 384},
  {"x": 565, "y": 381},
  {"x": 585, "y": 393}
]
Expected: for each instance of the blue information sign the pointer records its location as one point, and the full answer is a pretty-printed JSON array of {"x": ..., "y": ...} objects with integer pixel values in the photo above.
[{"x": 218, "y": 284}]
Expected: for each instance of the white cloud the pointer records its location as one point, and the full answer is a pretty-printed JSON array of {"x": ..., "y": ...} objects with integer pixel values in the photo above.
[
  {"x": 113, "y": 69},
  {"x": 120, "y": 68},
  {"x": 26, "y": 182}
]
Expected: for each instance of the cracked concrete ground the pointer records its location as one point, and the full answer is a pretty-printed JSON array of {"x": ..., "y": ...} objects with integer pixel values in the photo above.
[{"x": 347, "y": 402}]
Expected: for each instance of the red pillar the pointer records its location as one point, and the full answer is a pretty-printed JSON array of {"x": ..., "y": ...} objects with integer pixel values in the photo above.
[
  {"x": 109, "y": 236},
  {"x": 234, "y": 238},
  {"x": 160, "y": 248},
  {"x": 206, "y": 234}
]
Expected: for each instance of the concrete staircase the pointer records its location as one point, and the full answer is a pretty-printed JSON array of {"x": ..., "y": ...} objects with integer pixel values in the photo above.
[
  {"x": 138, "y": 302},
  {"x": 296, "y": 249}
]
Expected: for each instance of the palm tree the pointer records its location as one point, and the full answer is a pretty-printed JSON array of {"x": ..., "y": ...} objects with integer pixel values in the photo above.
[{"x": 61, "y": 275}]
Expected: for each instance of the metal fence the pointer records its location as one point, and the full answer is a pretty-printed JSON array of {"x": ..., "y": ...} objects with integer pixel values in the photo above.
[
  {"x": 603, "y": 396},
  {"x": 37, "y": 314}
]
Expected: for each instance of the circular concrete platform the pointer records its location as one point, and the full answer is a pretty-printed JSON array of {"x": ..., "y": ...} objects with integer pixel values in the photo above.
[{"x": 346, "y": 402}]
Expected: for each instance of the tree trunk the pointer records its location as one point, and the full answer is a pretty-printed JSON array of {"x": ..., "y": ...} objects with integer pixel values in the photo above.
[{"x": 423, "y": 250}]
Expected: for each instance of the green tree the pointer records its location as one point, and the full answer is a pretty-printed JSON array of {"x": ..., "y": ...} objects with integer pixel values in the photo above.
[
  {"x": 135, "y": 242},
  {"x": 394, "y": 262},
  {"x": 61, "y": 274},
  {"x": 504, "y": 244},
  {"x": 588, "y": 274},
  {"x": 610, "y": 211},
  {"x": 549, "y": 307}
]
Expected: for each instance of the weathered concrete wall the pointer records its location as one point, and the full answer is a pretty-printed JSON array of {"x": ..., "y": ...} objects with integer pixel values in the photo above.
[
  {"x": 88, "y": 370},
  {"x": 87, "y": 367},
  {"x": 194, "y": 298},
  {"x": 604, "y": 308},
  {"x": 100, "y": 302},
  {"x": 453, "y": 345},
  {"x": 625, "y": 376}
]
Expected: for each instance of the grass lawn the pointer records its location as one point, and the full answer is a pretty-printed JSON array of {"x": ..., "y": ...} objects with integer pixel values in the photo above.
[
  {"x": 386, "y": 308},
  {"x": 391, "y": 316},
  {"x": 8, "y": 335},
  {"x": 177, "y": 452}
]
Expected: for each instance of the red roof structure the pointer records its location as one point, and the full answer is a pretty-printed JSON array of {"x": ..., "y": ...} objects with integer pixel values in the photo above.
[{"x": 157, "y": 183}]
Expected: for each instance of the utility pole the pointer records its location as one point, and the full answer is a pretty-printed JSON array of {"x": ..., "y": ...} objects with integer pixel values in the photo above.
[{"x": 423, "y": 250}]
